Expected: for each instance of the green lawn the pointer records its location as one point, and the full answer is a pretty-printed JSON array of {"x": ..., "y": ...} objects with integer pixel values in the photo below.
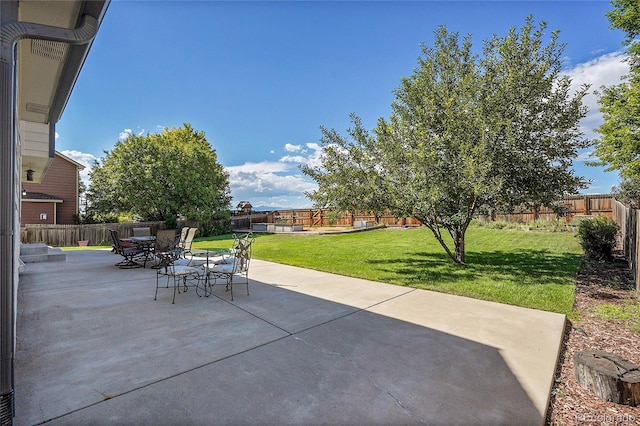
[{"x": 530, "y": 269}]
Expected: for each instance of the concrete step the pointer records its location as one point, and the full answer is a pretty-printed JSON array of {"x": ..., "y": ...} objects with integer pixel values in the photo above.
[
  {"x": 56, "y": 255},
  {"x": 33, "y": 258},
  {"x": 32, "y": 253},
  {"x": 33, "y": 249}
]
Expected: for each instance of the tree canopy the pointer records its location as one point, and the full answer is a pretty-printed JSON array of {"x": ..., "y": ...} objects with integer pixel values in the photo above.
[
  {"x": 467, "y": 133},
  {"x": 618, "y": 147},
  {"x": 160, "y": 176},
  {"x": 348, "y": 179}
]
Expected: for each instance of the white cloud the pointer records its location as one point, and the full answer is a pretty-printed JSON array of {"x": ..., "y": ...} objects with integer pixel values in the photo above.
[
  {"x": 265, "y": 166},
  {"x": 312, "y": 159},
  {"x": 275, "y": 183},
  {"x": 125, "y": 134},
  {"x": 586, "y": 156},
  {"x": 293, "y": 159},
  {"x": 292, "y": 148},
  {"x": 606, "y": 70},
  {"x": 129, "y": 132},
  {"x": 268, "y": 177}
]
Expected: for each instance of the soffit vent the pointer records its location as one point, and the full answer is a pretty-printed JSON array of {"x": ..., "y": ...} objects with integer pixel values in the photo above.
[
  {"x": 53, "y": 50},
  {"x": 40, "y": 109}
]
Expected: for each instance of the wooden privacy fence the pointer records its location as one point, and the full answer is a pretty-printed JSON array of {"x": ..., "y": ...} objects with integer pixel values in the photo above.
[
  {"x": 322, "y": 217},
  {"x": 69, "y": 235},
  {"x": 627, "y": 220},
  {"x": 245, "y": 221},
  {"x": 575, "y": 205}
]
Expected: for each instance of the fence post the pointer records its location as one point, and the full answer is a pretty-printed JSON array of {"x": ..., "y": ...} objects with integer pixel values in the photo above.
[
  {"x": 586, "y": 205},
  {"x": 636, "y": 252}
]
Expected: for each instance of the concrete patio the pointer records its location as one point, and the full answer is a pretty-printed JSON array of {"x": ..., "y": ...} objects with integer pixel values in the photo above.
[{"x": 93, "y": 347}]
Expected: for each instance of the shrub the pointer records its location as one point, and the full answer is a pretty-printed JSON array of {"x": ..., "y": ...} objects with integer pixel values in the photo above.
[
  {"x": 598, "y": 237},
  {"x": 494, "y": 224},
  {"x": 551, "y": 225},
  {"x": 211, "y": 229},
  {"x": 171, "y": 222}
]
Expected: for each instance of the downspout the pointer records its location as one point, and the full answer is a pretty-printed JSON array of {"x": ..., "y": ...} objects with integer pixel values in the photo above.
[{"x": 10, "y": 34}]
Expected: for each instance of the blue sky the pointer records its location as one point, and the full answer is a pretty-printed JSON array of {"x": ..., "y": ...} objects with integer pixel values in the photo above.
[{"x": 260, "y": 78}]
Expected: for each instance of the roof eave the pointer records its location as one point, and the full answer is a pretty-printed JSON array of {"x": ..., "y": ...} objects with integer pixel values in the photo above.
[{"x": 75, "y": 61}]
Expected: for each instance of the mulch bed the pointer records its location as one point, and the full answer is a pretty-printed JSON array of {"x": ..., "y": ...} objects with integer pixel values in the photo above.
[{"x": 597, "y": 283}]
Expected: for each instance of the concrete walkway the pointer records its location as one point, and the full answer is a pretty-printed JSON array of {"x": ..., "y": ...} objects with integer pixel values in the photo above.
[{"x": 304, "y": 348}]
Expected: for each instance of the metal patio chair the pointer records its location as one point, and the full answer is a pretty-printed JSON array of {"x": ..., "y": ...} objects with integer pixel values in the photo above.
[
  {"x": 129, "y": 252},
  {"x": 168, "y": 254},
  {"x": 236, "y": 265},
  {"x": 186, "y": 242},
  {"x": 237, "y": 239}
]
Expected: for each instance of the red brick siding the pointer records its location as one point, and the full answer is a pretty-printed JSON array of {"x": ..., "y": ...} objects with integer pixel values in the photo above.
[{"x": 60, "y": 181}]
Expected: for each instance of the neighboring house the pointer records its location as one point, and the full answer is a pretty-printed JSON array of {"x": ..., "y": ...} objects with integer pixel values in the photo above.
[
  {"x": 55, "y": 199},
  {"x": 43, "y": 45},
  {"x": 244, "y": 207}
]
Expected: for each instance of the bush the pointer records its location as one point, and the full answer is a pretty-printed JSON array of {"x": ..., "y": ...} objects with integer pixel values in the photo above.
[
  {"x": 551, "y": 225},
  {"x": 494, "y": 224},
  {"x": 171, "y": 222},
  {"x": 598, "y": 237}
]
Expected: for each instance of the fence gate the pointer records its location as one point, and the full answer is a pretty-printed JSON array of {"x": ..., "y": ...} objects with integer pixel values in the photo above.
[{"x": 316, "y": 217}]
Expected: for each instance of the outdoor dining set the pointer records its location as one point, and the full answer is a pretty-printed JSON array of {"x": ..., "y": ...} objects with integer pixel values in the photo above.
[{"x": 172, "y": 256}]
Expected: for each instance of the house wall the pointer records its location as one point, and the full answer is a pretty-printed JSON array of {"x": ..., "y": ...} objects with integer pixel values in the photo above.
[
  {"x": 60, "y": 181},
  {"x": 31, "y": 213}
]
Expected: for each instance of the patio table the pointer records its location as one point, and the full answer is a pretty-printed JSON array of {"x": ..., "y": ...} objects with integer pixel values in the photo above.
[
  {"x": 146, "y": 243},
  {"x": 204, "y": 257}
]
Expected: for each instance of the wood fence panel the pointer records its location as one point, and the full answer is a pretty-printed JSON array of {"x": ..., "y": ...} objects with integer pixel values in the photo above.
[
  {"x": 627, "y": 220},
  {"x": 244, "y": 222},
  {"x": 69, "y": 235},
  {"x": 635, "y": 266},
  {"x": 576, "y": 206},
  {"x": 321, "y": 217}
]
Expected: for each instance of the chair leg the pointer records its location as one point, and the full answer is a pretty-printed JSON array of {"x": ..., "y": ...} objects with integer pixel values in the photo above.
[
  {"x": 175, "y": 287},
  {"x": 155, "y": 297},
  {"x": 128, "y": 263}
]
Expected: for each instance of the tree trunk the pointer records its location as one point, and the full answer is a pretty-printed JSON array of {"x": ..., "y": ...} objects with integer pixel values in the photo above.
[
  {"x": 458, "y": 241},
  {"x": 458, "y": 253},
  {"x": 609, "y": 376}
]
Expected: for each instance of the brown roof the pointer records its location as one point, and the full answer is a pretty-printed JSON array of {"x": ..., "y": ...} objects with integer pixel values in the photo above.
[{"x": 39, "y": 196}]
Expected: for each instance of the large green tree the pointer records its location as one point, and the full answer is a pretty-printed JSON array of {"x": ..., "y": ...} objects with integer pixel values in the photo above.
[
  {"x": 618, "y": 147},
  {"x": 468, "y": 132},
  {"x": 161, "y": 175}
]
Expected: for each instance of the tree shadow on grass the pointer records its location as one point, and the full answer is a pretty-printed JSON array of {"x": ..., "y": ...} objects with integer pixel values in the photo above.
[{"x": 525, "y": 267}]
